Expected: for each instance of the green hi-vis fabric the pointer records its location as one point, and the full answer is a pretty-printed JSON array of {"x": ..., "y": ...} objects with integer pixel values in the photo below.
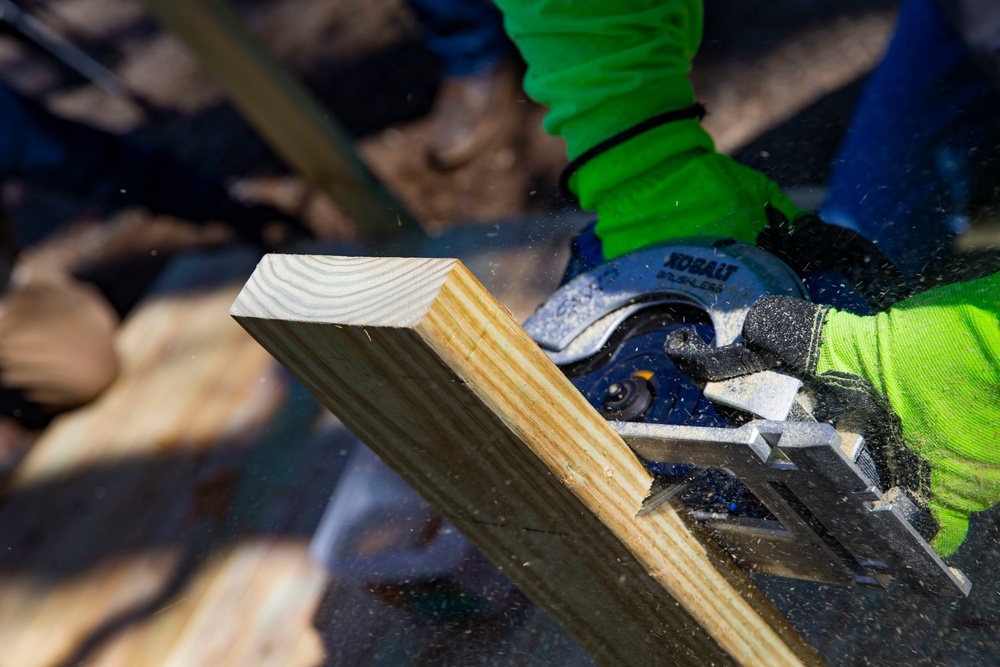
[
  {"x": 604, "y": 67},
  {"x": 936, "y": 358}
]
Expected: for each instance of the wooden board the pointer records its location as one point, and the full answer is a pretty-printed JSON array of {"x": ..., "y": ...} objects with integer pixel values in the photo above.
[
  {"x": 285, "y": 114},
  {"x": 432, "y": 373}
]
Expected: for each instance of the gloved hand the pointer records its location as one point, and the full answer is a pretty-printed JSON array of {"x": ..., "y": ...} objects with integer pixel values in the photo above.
[
  {"x": 669, "y": 184},
  {"x": 934, "y": 360},
  {"x": 614, "y": 75}
]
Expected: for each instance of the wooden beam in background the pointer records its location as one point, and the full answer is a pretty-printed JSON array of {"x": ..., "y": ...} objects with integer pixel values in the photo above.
[
  {"x": 418, "y": 359},
  {"x": 285, "y": 114}
]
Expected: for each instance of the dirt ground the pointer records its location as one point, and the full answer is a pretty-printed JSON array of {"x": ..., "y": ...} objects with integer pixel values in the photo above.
[{"x": 364, "y": 60}]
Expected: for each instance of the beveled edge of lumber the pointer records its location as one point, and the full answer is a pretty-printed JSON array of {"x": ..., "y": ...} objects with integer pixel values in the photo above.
[{"x": 482, "y": 363}]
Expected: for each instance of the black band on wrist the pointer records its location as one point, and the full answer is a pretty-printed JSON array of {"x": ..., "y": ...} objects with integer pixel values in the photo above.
[{"x": 696, "y": 110}]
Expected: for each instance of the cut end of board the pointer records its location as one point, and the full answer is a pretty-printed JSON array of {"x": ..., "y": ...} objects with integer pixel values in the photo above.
[{"x": 354, "y": 291}]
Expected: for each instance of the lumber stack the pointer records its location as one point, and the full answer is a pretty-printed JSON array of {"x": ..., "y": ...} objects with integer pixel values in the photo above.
[
  {"x": 118, "y": 543},
  {"x": 430, "y": 371}
]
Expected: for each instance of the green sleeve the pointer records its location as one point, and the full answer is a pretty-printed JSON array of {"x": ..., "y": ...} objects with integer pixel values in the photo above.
[{"x": 602, "y": 68}]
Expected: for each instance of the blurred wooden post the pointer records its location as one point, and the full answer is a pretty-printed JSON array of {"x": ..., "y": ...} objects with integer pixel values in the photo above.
[
  {"x": 286, "y": 115},
  {"x": 420, "y": 362}
]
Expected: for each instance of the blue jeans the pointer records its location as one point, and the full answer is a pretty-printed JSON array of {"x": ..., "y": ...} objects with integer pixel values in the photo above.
[
  {"x": 903, "y": 175},
  {"x": 467, "y": 35}
]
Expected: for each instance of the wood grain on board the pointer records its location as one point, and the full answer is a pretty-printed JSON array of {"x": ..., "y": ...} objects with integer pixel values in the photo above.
[{"x": 418, "y": 359}]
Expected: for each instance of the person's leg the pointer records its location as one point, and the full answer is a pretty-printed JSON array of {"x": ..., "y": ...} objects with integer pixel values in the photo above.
[
  {"x": 478, "y": 85},
  {"x": 467, "y": 35},
  {"x": 903, "y": 175}
]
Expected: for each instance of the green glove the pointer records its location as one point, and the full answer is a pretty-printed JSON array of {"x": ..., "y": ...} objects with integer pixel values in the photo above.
[
  {"x": 604, "y": 68},
  {"x": 935, "y": 358},
  {"x": 669, "y": 184}
]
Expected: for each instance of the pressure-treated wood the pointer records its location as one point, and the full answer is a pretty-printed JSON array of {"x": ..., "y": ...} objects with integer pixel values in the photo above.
[
  {"x": 430, "y": 371},
  {"x": 283, "y": 112}
]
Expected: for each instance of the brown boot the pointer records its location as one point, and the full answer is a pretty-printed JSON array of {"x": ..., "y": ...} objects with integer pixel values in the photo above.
[{"x": 469, "y": 112}]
